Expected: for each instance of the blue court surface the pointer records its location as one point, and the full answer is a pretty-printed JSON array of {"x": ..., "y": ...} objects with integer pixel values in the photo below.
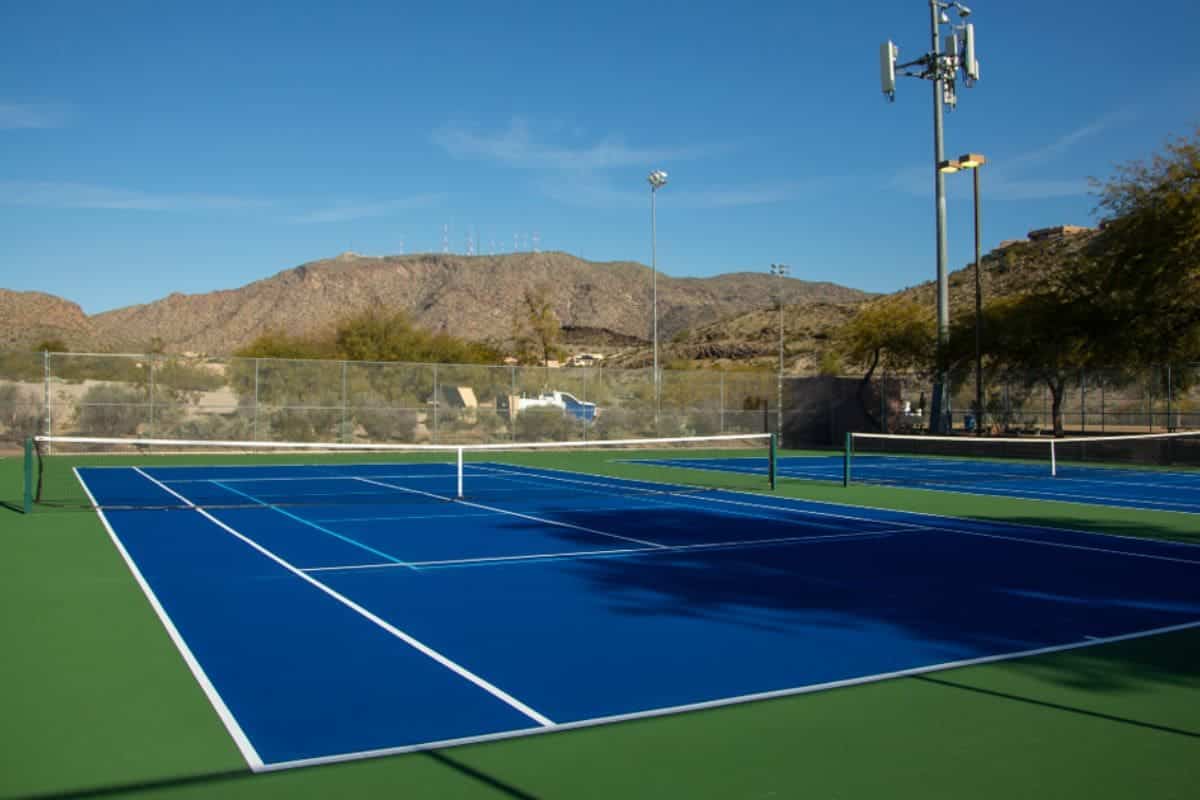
[
  {"x": 1161, "y": 490},
  {"x": 332, "y": 612}
]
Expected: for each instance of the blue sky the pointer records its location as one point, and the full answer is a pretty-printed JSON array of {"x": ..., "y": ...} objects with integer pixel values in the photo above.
[{"x": 147, "y": 147}]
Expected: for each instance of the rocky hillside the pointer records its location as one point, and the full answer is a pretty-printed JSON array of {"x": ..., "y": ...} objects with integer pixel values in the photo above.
[
  {"x": 28, "y": 319},
  {"x": 469, "y": 297},
  {"x": 752, "y": 339}
]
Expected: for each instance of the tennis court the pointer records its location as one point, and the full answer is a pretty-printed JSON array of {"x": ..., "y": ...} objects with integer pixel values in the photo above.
[
  {"x": 1094, "y": 471},
  {"x": 332, "y": 611}
]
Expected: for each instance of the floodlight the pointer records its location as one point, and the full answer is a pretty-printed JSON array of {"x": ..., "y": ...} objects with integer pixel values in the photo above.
[
  {"x": 971, "y": 161},
  {"x": 658, "y": 179},
  {"x": 949, "y": 166},
  {"x": 962, "y": 10},
  {"x": 944, "y": 18}
]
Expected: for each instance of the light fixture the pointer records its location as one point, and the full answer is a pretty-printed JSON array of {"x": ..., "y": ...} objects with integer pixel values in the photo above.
[
  {"x": 949, "y": 166},
  {"x": 971, "y": 161}
]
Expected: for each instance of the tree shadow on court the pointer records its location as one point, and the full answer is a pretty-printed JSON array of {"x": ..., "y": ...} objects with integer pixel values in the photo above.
[{"x": 959, "y": 593}]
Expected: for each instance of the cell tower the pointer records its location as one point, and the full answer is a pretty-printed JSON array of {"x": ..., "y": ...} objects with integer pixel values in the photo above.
[
  {"x": 470, "y": 243},
  {"x": 537, "y": 242},
  {"x": 445, "y": 239},
  {"x": 402, "y": 246},
  {"x": 941, "y": 66}
]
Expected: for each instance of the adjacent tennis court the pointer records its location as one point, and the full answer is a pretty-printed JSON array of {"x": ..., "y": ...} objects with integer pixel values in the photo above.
[
  {"x": 336, "y": 610},
  {"x": 1107, "y": 471}
]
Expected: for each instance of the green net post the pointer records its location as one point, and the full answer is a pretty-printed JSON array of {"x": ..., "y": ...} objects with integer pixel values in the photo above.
[
  {"x": 27, "y": 500},
  {"x": 847, "y": 454},
  {"x": 773, "y": 461}
]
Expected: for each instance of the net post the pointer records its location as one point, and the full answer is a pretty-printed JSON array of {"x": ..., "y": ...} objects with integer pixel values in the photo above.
[
  {"x": 459, "y": 472},
  {"x": 1053, "y": 460},
  {"x": 27, "y": 499},
  {"x": 773, "y": 461},
  {"x": 846, "y": 456}
]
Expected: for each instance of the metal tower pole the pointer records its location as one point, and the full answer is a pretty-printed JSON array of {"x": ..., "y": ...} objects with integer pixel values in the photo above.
[{"x": 939, "y": 404}]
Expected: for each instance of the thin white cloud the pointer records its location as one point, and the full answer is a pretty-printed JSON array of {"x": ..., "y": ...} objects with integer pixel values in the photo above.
[
  {"x": 1072, "y": 138},
  {"x": 348, "y": 212},
  {"x": 15, "y": 116},
  {"x": 517, "y": 147},
  {"x": 49, "y": 194}
]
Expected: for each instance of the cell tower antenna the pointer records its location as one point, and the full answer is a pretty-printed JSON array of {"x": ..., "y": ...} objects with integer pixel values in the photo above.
[
  {"x": 470, "y": 243},
  {"x": 445, "y": 239},
  {"x": 941, "y": 67}
]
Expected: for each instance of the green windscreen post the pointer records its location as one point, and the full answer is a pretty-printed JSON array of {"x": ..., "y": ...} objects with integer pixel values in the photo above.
[
  {"x": 27, "y": 500},
  {"x": 846, "y": 456},
  {"x": 773, "y": 462}
]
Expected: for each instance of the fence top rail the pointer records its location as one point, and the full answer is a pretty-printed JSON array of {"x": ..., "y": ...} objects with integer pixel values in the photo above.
[
  {"x": 251, "y": 445},
  {"x": 1028, "y": 439}
]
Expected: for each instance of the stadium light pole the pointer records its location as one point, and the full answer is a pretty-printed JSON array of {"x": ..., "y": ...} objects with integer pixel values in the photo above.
[
  {"x": 973, "y": 161},
  {"x": 780, "y": 271},
  {"x": 657, "y": 179}
]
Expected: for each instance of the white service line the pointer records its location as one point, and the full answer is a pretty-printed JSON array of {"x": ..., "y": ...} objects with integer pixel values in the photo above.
[
  {"x": 936, "y": 529},
  {"x": 622, "y": 551},
  {"x": 408, "y": 639},
  {"x": 677, "y": 498},
  {"x": 515, "y": 513}
]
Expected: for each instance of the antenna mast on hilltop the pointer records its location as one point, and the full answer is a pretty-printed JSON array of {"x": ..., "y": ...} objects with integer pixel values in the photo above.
[
  {"x": 470, "y": 243},
  {"x": 445, "y": 239},
  {"x": 941, "y": 68},
  {"x": 402, "y": 245},
  {"x": 537, "y": 242}
]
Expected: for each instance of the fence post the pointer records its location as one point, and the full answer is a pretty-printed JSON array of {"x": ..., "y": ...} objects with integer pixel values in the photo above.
[
  {"x": 46, "y": 377},
  {"x": 255, "y": 430},
  {"x": 1083, "y": 401},
  {"x": 722, "y": 411},
  {"x": 345, "y": 420},
  {"x": 153, "y": 360},
  {"x": 1170, "y": 391},
  {"x": 27, "y": 495}
]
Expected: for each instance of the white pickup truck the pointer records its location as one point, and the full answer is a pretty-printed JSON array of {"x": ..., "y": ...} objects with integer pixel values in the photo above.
[{"x": 570, "y": 404}]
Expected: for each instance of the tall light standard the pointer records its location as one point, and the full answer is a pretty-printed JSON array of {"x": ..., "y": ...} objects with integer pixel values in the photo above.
[
  {"x": 657, "y": 179},
  {"x": 780, "y": 271},
  {"x": 973, "y": 161}
]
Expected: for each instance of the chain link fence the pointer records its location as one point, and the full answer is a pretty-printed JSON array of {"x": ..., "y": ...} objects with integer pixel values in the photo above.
[{"x": 266, "y": 399}]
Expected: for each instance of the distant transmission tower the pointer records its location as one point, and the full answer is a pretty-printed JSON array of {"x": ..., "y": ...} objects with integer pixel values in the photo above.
[
  {"x": 445, "y": 238},
  {"x": 537, "y": 242},
  {"x": 470, "y": 243},
  {"x": 401, "y": 246},
  {"x": 516, "y": 242}
]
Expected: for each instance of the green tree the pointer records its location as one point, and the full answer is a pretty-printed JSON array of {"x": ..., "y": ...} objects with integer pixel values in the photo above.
[
  {"x": 1140, "y": 283},
  {"x": 895, "y": 334},
  {"x": 537, "y": 330}
]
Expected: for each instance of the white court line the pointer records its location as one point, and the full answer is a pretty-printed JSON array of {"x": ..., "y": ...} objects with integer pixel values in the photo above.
[
  {"x": 297, "y": 478},
  {"x": 727, "y": 701},
  {"x": 569, "y": 554},
  {"x": 249, "y": 754},
  {"x": 516, "y": 514},
  {"x": 408, "y": 639},
  {"x": 795, "y": 510},
  {"x": 647, "y": 496}
]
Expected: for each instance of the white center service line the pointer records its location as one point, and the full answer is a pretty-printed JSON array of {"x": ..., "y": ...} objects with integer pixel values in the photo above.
[{"x": 411, "y": 641}]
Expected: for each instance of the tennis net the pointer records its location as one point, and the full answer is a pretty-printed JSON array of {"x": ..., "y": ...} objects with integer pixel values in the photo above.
[
  {"x": 130, "y": 473},
  {"x": 908, "y": 459}
]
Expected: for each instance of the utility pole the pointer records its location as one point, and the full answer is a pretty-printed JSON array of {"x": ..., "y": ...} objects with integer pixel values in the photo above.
[{"x": 940, "y": 66}]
